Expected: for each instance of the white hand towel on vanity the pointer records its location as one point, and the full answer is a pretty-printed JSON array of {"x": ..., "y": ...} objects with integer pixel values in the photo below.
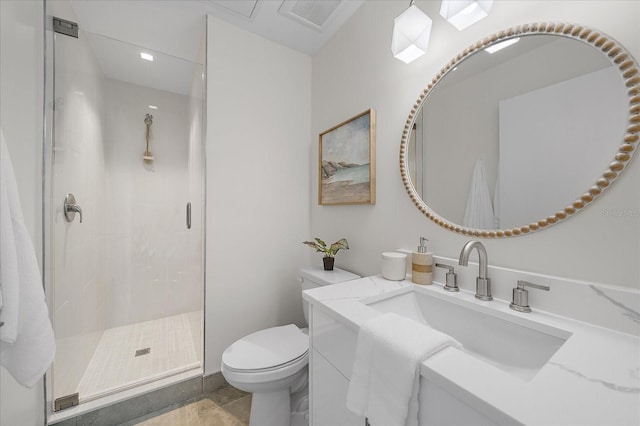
[
  {"x": 386, "y": 371},
  {"x": 27, "y": 345}
]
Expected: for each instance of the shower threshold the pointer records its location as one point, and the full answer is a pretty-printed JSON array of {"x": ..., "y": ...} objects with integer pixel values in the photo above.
[
  {"x": 126, "y": 397},
  {"x": 133, "y": 384}
]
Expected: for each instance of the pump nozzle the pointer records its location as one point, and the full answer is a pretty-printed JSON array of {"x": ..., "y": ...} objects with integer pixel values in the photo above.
[{"x": 422, "y": 248}]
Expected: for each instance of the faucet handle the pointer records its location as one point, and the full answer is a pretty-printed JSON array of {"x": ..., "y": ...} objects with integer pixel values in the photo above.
[
  {"x": 71, "y": 208},
  {"x": 522, "y": 284},
  {"x": 451, "y": 278},
  {"x": 520, "y": 300}
]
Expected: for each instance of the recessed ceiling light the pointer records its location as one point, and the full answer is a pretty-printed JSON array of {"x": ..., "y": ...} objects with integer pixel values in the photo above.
[
  {"x": 146, "y": 56},
  {"x": 153, "y": 107},
  {"x": 502, "y": 45}
]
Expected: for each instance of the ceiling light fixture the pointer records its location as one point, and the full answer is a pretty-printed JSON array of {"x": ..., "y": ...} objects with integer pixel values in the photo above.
[
  {"x": 411, "y": 32},
  {"x": 146, "y": 56},
  {"x": 153, "y": 107},
  {"x": 499, "y": 46},
  {"x": 463, "y": 13}
]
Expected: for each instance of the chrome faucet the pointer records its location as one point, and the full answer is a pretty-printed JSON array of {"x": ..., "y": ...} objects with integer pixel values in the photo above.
[{"x": 483, "y": 283}]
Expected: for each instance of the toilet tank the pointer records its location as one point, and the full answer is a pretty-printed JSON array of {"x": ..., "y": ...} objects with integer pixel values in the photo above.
[{"x": 312, "y": 277}]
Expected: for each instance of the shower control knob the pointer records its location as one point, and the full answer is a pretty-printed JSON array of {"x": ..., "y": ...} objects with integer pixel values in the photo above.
[{"x": 71, "y": 208}]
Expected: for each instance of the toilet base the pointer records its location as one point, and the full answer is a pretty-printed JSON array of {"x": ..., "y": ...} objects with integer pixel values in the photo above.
[
  {"x": 300, "y": 407},
  {"x": 289, "y": 407},
  {"x": 271, "y": 408}
]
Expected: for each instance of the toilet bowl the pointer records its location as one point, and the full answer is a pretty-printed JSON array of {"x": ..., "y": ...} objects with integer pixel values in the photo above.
[{"x": 272, "y": 364}]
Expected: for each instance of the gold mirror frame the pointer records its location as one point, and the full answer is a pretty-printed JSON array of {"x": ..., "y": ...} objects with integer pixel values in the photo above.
[{"x": 618, "y": 56}]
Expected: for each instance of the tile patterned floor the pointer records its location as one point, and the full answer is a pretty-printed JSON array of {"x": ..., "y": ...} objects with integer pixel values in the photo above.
[
  {"x": 225, "y": 407},
  {"x": 172, "y": 348}
]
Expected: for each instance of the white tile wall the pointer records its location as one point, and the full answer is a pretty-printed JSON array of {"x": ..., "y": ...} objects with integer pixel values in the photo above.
[{"x": 159, "y": 258}]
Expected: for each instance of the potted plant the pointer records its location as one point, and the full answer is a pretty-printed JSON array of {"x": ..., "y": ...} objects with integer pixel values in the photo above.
[{"x": 329, "y": 251}]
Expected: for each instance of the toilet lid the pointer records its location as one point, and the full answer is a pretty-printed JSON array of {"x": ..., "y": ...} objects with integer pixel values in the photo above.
[{"x": 266, "y": 348}]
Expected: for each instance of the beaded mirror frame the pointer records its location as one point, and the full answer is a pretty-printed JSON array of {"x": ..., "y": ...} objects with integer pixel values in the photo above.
[{"x": 619, "y": 58}]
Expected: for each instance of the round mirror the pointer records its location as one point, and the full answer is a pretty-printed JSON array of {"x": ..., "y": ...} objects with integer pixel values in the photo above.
[{"x": 522, "y": 130}]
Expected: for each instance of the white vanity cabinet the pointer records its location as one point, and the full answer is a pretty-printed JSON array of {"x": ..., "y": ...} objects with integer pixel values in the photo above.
[{"x": 332, "y": 350}]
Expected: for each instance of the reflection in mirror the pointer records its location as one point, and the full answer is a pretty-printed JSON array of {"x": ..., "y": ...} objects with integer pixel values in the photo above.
[{"x": 502, "y": 143}]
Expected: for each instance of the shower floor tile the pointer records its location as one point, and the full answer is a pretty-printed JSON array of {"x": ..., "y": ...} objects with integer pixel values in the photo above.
[{"x": 138, "y": 353}]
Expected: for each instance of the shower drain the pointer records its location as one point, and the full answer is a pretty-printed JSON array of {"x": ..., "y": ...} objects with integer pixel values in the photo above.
[{"x": 144, "y": 351}]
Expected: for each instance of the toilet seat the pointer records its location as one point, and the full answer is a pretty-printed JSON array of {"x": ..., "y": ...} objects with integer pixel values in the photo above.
[{"x": 266, "y": 355}]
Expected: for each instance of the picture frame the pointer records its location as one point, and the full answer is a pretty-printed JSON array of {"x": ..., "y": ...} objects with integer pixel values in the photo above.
[{"x": 346, "y": 162}]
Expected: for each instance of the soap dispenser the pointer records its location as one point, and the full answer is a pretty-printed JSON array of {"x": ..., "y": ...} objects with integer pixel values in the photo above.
[{"x": 422, "y": 264}]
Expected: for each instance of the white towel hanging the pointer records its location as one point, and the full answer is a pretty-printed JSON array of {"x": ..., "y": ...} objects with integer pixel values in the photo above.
[
  {"x": 385, "y": 379},
  {"x": 27, "y": 345},
  {"x": 479, "y": 211}
]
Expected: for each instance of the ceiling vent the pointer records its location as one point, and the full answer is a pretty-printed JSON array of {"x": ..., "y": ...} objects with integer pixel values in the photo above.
[
  {"x": 312, "y": 13},
  {"x": 243, "y": 8}
]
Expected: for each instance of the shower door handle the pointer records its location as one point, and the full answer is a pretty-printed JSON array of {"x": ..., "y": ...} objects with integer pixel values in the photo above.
[
  {"x": 189, "y": 215},
  {"x": 71, "y": 208}
]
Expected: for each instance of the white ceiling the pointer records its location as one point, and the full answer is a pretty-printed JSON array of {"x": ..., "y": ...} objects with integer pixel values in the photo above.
[
  {"x": 121, "y": 61},
  {"x": 176, "y": 27},
  {"x": 173, "y": 31}
]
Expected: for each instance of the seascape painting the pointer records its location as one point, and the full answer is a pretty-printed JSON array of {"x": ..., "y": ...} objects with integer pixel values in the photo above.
[{"x": 347, "y": 162}]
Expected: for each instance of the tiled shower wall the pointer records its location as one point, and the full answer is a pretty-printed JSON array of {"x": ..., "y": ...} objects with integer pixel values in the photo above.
[{"x": 151, "y": 267}]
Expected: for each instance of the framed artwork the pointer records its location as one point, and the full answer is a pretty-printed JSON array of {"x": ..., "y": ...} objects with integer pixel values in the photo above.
[{"x": 347, "y": 160}]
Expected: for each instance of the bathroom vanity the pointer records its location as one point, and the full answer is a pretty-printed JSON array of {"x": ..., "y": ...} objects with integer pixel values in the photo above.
[
  {"x": 514, "y": 367},
  {"x": 575, "y": 358}
]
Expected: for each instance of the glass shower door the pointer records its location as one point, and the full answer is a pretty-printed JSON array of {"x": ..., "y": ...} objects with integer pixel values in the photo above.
[{"x": 126, "y": 211}]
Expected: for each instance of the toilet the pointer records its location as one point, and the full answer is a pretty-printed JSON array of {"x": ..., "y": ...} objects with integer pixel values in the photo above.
[{"x": 272, "y": 364}]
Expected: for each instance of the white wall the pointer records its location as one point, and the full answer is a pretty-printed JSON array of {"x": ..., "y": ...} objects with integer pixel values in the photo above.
[
  {"x": 152, "y": 267},
  {"x": 355, "y": 71},
  {"x": 257, "y": 186},
  {"x": 567, "y": 153},
  {"x": 21, "y": 89}
]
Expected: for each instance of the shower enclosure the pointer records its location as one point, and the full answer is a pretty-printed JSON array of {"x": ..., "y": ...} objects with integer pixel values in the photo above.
[{"x": 124, "y": 175}]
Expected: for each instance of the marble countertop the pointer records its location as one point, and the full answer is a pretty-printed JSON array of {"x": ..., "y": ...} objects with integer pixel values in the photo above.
[{"x": 594, "y": 378}]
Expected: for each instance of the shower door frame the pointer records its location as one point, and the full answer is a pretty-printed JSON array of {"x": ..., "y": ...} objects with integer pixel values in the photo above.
[{"x": 49, "y": 208}]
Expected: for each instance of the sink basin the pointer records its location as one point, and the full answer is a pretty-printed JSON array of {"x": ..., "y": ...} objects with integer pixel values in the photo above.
[{"x": 508, "y": 341}]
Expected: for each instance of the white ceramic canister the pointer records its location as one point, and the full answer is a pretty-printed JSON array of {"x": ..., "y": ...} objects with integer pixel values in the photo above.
[{"x": 394, "y": 266}]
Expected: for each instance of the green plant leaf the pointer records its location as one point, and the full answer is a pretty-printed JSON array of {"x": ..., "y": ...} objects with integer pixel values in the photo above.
[
  {"x": 321, "y": 246},
  {"x": 311, "y": 244},
  {"x": 322, "y": 243},
  {"x": 340, "y": 244},
  {"x": 318, "y": 245}
]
